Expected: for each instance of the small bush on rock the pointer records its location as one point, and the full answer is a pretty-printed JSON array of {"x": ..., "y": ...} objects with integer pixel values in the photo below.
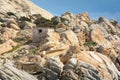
[
  {"x": 42, "y": 22},
  {"x": 10, "y": 14},
  {"x": 55, "y": 20},
  {"x": 23, "y": 18},
  {"x": 90, "y": 43}
]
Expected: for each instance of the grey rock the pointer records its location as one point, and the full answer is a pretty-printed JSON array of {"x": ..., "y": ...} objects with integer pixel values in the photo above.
[
  {"x": 101, "y": 27},
  {"x": 100, "y": 49},
  {"x": 48, "y": 74},
  {"x": 114, "y": 22},
  {"x": 9, "y": 72},
  {"x": 71, "y": 64},
  {"x": 79, "y": 71},
  {"x": 52, "y": 70},
  {"x": 55, "y": 65},
  {"x": 76, "y": 29},
  {"x": 87, "y": 71},
  {"x": 111, "y": 28},
  {"x": 56, "y": 19},
  {"x": 69, "y": 75},
  {"x": 60, "y": 30}
]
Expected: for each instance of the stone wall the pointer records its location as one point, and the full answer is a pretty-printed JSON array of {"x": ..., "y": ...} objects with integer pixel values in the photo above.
[{"x": 40, "y": 34}]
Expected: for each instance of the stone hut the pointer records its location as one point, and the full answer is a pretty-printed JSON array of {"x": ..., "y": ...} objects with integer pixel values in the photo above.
[{"x": 40, "y": 34}]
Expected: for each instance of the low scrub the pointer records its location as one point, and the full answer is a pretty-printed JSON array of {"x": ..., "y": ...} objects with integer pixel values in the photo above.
[
  {"x": 90, "y": 43},
  {"x": 11, "y": 14},
  {"x": 42, "y": 22},
  {"x": 23, "y": 18}
]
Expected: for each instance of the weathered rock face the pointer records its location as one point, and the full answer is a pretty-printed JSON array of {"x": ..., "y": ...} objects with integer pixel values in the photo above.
[
  {"x": 23, "y": 35},
  {"x": 13, "y": 24},
  {"x": 34, "y": 63},
  {"x": 7, "y": 70},
  {"x": 79, "y": 71},
  {"x": 8, "y": 45},
  {"x": 75, "y": 20},
  {"x": 96, "y": 36},
  {"x": 89, "y": 65},
  {"x": 8, "y": 33},
  {"x": 70, "y": 37},
  {"x": 109, "y": 25},
  {"x": 22, "y": 8},
  {"x": 53, "y": 68},
  {"x": 74, "y": 48},
  {"x": 50, "y": 41}
]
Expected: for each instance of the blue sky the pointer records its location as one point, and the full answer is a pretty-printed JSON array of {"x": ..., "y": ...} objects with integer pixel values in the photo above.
[{"x": 96, "y": 8}]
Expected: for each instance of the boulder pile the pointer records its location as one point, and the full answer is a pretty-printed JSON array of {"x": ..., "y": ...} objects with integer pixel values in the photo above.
[{"x": 67, "y": 47}]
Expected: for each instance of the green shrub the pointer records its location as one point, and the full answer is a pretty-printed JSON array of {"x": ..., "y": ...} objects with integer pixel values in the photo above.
[
  {"x": 33, "y": 51},
  {"x": 23, "y": 18},
  {"x": 42, "y": 22},
  {"x": 90, "y": 43},
  {"x": 10, "y": 14},
  {"x": 55, "y": 21}
]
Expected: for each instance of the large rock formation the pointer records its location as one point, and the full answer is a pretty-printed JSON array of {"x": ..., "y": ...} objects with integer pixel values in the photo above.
[
  {"x": 22, "y": 8},
  {"x": 67, "y": 47},
  {"x": 9, "y": 72}
]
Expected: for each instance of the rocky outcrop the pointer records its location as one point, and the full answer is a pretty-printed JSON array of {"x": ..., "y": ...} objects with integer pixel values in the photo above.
[
  {"x": 53, "y": 68},
  {"x": 22, "y": 8},
  {"x": 9, "y": 72},
  {"x": 71, "y": 37},
  {"x": 96, "y": 36},
  {"x": 100, "y": 61},
  {"x": 13, "y": 24},
  {"x": 67, "y": 47},
  {"x": 8, "y": 33},
  {"x": 7, "y": 46}
]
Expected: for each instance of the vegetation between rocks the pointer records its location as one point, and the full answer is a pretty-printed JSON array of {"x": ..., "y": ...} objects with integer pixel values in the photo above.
[{"x": 90, "y": 43}]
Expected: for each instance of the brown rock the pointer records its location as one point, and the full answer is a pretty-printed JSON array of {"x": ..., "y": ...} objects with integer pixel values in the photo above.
[
  {"x": 8, "y": 34},
  {"x": 84, "y": 17},
  {"x": 61, "y": 50},
  {"x": 9, "y": 69},
  {"x": 34, "y": 63},
  {"x": 101, "y": 63},
  {"x": 50, "y": 41},
  {"x": 81, "y": 38},
  {"x": 14, "y": 26},
  {"x": 8, "y": 45},
  {"x": 107, "y": 51},
  {"x": 98, "y": 37},
  {"x": 108, "y": 23},
  {"x": 62, "y": 26},
  {"x": 25, "y": 9},
  {"x": 71, "y": 37},
  {"x": 84, "y": 56}
]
